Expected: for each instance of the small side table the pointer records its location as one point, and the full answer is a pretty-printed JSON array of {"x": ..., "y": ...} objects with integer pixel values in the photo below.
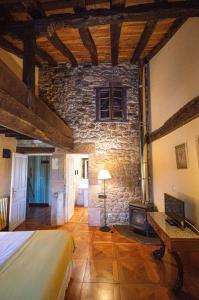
[{"x": 175, "y": 240}]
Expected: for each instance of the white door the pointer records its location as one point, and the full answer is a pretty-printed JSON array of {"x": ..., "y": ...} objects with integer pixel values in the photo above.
[
  {"x": 70, "y": 187},
  {"x": 18, "y": 189}
]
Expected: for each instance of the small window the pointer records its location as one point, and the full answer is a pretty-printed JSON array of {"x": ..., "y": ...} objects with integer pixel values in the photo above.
[{"x": 111, "y": 104}]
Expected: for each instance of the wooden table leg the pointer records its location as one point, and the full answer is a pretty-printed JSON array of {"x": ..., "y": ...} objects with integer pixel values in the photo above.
[
  {"x": 158, "y": 254},
  {"x": 180, "y": 276}
]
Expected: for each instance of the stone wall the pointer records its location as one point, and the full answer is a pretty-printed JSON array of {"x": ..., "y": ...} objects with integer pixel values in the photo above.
[{"x": 71, "y": 93}]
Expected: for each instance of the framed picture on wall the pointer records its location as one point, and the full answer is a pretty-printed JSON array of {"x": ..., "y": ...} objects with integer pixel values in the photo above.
[{"x": 181, "y": 156}]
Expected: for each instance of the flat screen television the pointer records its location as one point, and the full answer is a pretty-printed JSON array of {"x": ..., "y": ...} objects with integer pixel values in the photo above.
[{"x": 174, "y": 209}]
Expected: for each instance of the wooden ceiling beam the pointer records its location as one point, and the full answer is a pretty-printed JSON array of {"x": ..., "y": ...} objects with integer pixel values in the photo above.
[
  {"x": 168, "y": 35},
  {"x": 9, "y": 47},
  {"x": 18, "y": 136},
  {"x": 34, "y": 150},
  {"x": 59, "y": 45},
  {"x": 45, "y": 56},
  {"x": 184, "y": 115},
  {"x": 36, "y": 11},
  {"x": 29, "y": 43},
  {"x": 39, "y": 122},
  {"x": 49, "y": 5},
  {"x": 141, "y": 12},
  {"x": 86, "y": 36},
  {"x": 115, "y": 30},
  {"x": 149, "y": 28}
]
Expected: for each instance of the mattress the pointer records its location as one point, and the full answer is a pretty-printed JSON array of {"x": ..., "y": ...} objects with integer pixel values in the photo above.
[{"x": 37, "y": 267}]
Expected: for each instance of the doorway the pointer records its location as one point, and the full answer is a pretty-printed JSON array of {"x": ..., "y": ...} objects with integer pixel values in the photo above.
[
  {"x": 77, "y": 185},
  {"x": 39, "y": 189}
]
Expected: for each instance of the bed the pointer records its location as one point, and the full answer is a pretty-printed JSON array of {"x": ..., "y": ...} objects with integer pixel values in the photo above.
[{"x": 35, "y": 265}]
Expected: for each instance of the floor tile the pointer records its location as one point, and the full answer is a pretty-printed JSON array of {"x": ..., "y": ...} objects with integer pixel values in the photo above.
[
  {"x": 100, "y": 291},
  {"x": 101, "y": 271},
  {"x": 82, "y": 228},
  {"x": 130, "y": 292},
  {"x": 99, "y": 236},
  {"x": 130, "y": 250},
  {"x": 118, "y": 238},
  {"x": 102, "y": 251},
  {"x": 81, "y": 250},
  {"x": 137, "y": 271},
  {"x": 79, "y": 269}
]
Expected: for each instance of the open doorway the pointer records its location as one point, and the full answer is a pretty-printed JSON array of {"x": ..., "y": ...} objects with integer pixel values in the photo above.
[
  {"x": 39, "y": 189},
  {"x": 77, "y": 188}
]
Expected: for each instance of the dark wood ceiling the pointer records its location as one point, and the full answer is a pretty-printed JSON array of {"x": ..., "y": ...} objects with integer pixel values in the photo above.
[{"x": 116, "y": 41}]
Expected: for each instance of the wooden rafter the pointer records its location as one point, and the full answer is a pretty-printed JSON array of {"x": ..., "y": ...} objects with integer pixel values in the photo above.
[
  {"x": 51, "y": 5},
  {"x": 149, "y": 28},
  {"x": 45, "y": 56},
  {"x": 35, "y": 150},
  {"x": 86, "y": 36},
  {"x": 36, "y": 11},
  {"x": 168, "y": 35},
  {"x": 15, "y": 114},
  {"x": 142, "y": 12},
  {"x": 115, "y": 30},
  {"x": 18, "y": 52},
  {"x": 10, "y": 133},
  {"x": 29, "y": 43},
  {"x": 9, "y": 47},
  {"x": 6, "y": 45},
  {"x": 58, "y": 44}
]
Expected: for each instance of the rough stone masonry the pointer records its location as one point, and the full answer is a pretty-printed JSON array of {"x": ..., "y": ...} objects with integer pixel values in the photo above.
[{"x": 71, "y": 93}]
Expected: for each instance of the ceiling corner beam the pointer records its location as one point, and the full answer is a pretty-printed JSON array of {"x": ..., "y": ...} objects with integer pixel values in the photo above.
[
  {"x": 173, "y": 29},
  {"x": 45, "y": 56},
  {"x": 36, "y": 11},
  {"x": 59, "y": 45},
  {"x": 86, "y": 36},
  {"x": 115, "y": 30},
  {"x": 149, "y": 28}
]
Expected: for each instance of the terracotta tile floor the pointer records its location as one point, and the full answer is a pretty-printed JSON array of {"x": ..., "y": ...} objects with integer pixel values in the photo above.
[{"x": 109, "y": 266}]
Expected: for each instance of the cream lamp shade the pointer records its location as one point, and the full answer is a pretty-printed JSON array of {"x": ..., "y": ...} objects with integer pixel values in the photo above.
[{"x": 104, "y": 174}]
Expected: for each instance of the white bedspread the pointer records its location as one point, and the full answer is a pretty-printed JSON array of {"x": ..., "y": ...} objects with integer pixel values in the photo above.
[{"x": 10, "y": 242}]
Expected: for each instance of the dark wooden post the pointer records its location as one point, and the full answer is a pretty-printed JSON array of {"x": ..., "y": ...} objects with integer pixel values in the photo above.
[
  {"x": 29, "y": 43},
  {"x": 148, "y": 131},
  {"x": 141, "y": 121}
]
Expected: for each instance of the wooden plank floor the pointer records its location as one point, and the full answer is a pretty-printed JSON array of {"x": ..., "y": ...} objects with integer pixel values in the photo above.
[{"x": 109, "y": 266}]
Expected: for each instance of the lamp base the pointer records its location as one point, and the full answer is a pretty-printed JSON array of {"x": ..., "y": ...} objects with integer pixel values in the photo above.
[{"x": 105, "y": 229}]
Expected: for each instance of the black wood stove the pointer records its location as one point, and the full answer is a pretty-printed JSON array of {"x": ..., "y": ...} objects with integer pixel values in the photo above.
[{"x": 138, "y": 217}]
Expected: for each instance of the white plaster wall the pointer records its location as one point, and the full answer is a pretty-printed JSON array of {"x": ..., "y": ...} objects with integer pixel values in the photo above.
[
  {"x": 175, "y": 73},
  {"x": 5, "y": 164},
  {"x": 174, "y": 82}
]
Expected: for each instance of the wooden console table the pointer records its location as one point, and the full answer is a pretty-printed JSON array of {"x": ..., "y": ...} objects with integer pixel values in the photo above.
[{"x": 175, "y": 240}]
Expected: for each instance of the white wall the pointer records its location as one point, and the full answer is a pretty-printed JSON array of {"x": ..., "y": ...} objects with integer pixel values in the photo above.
[
  {"x": 6, "y": 164},
  {"x": 174, "y": 82}
]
